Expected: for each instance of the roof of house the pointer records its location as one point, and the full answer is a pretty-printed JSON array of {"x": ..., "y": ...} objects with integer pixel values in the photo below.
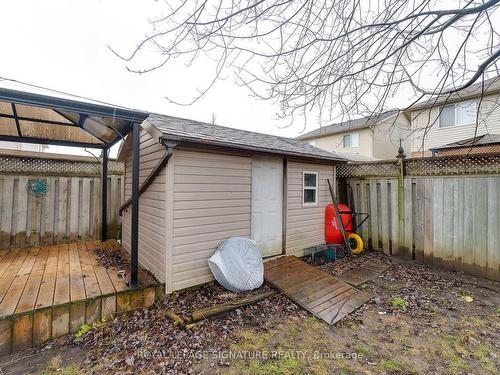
[
  {"x": 200, "y": 133},
  {"x": 349, "y": 125},
  {"x": 491, "y": 86},
  {"x": 480, "y": 140}
]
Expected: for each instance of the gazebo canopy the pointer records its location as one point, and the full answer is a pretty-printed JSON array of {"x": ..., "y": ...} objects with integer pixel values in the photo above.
[{"x": 47, "y": 117}]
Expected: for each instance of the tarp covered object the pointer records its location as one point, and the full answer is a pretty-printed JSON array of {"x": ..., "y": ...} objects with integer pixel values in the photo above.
[{"x": 237, "y": 265}]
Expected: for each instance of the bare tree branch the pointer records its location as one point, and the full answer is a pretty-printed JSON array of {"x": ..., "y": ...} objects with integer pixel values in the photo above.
[{"x": 340, "y": 57}]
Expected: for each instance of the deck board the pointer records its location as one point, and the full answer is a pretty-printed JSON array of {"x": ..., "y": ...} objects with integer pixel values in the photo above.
[
  {"x": 325, "y": 296},
  {"x": 16, "y": 288},
  {"x": 101, "y": 273},
  {"x": 90, "y": 279},
  {"x": 47, "y": 286},
  {"x": 30, "y": 293},
  {"x": 61, "y": 291},
  {"x": 10, "y": 272},
  {"x": 76, "y": 284}
]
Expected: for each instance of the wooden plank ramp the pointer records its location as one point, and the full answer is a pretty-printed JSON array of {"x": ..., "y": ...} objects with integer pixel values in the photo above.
[{"x": 318, "y": 292}]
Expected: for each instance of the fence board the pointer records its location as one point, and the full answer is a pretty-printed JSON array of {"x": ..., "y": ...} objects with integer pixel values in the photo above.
[
  {"x": 7, "y": 202},
  {"x": 481, "y": 223},
  {"x": 49, "y": 213},
  {"x": 373, "y": 204},
  {"x": 407, "y": 246},
  {"x": 469, "y": 232},
  {"x": 493, "y": 253},
  {"x": 437, "y": 214},
  {"x": 85, "y": 208},
  {"x": 448, "y": 219},
  {"x": 365, "y": 230},
  {"x": 384, "y": 215},
  {"x": 393, "y": 210},
  {"x": 418, "y": 204},
  {"x": 74, "y": 208},
  {"x": 458, "y": 223}
]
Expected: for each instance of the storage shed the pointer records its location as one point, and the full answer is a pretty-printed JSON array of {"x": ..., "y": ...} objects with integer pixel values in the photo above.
[{"x": 202, "y": 183}]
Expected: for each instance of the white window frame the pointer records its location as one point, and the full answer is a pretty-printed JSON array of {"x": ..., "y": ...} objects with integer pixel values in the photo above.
[
  {"x": 304, "y": 188},
  {"x": 454, "y": 105},
  {"x": 350, "y": 135}
]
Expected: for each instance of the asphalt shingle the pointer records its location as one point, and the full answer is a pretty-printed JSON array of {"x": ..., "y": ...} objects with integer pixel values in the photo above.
[{"x": 191, "y": 131}]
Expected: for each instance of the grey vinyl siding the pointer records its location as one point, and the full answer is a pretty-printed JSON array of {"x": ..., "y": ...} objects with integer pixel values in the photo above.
[
  {"x": 212, "y": 202},
  {"x": 152, "y": 208},
  {"x": 305, "y": 226},
  {"x": 489, "y": 122}
]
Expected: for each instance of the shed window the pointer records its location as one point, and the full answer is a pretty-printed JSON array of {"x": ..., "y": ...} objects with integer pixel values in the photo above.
[
  {"x": 351, "y": 140},
  {"x": 463, "y": 113},
  {"x": 310, "y": 188}
]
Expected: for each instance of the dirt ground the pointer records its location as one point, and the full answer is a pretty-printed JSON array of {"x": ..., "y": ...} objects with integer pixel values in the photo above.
[{"x": 420, "y": 321}]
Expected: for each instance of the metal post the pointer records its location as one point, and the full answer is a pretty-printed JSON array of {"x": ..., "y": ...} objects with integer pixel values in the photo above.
[
  {"x": 104, "y": 194},
  {"x": 134, "y": 236}
]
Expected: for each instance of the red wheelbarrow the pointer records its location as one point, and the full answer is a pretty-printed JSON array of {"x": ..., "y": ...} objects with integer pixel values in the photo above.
[{"x": 341, "y": 224}]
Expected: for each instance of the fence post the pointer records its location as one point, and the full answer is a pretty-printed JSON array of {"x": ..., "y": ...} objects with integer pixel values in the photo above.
[{"x": 401, "y": 194}]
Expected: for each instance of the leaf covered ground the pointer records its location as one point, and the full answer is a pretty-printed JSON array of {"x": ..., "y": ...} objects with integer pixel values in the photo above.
[{"x": 420, "y": 321}]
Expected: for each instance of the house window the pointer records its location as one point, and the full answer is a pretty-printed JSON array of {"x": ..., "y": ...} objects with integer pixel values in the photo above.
[
  {"x": 351, "y": 140},
  {"x": 463, "y": 113},
  {"x": 310, "y": 189}
]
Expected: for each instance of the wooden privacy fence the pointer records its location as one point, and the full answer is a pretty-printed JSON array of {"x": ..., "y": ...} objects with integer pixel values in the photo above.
[
  {"x": 440, "y": 211},
  {"x": 47, "y": 199}
]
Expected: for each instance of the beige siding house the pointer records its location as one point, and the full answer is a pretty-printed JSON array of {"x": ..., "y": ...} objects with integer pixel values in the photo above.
[
  {"x": 220, "y": 183},
  {"x": 374, "y": 137},
  {"x": 446, "y": 120}
]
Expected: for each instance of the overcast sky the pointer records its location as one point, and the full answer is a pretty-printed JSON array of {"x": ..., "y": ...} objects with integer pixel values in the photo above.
[{"x": 63, "y": 45}]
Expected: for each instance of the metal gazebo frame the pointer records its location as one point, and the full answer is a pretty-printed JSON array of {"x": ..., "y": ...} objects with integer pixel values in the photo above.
[{"x": 64, "y": 120}]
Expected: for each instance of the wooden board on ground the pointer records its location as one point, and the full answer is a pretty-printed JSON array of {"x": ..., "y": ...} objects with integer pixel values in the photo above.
[
  {"x": 364, "y": 273},
  {"x": 321, "y": 294}
]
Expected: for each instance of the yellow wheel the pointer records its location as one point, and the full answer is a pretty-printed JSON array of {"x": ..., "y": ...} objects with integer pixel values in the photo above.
[{"x": 356, "y": 243}]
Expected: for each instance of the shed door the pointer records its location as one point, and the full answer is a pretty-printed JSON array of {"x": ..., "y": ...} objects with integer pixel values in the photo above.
[{"x": 267, "y": 204}]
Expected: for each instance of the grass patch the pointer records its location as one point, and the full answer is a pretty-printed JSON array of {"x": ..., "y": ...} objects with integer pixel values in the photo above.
[
  {"x": 85, "y": 328},
  {"x": 366, "y": 353},
  {"x": 400, "y": 303},
  {"x": 391, "y": 366}
]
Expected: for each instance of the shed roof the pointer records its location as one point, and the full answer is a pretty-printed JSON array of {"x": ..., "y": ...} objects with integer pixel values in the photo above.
[
  {"x": 341, "y": 127},
  {"x": 200, "y": 133},
  {"x": 36, "y": 115}
]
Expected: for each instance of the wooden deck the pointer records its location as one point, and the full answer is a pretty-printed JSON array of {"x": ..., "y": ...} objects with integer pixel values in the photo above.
[
  {"x": 49, "y": 291},
  {"x": 320, "y": 293}
]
